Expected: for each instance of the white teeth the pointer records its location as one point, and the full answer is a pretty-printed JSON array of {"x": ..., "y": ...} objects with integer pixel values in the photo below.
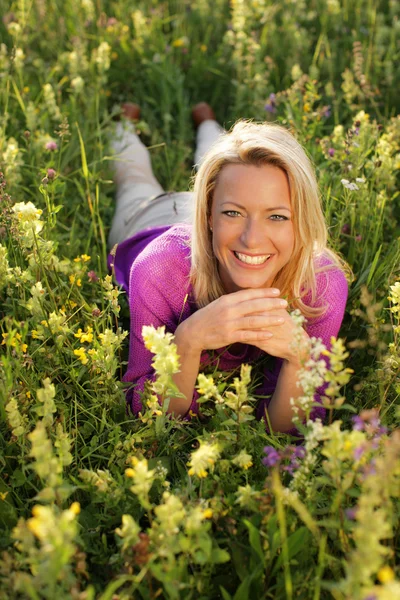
[{"x": 252, "y": 260}]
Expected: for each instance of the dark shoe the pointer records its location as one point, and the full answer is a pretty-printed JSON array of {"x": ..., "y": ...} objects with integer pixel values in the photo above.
[
  {"x": 202, "y": 112},
  {"x": 130, "y": 111}
]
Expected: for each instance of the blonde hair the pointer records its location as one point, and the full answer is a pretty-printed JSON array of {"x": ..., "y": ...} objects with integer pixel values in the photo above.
[{"x": 262, "y": 144}]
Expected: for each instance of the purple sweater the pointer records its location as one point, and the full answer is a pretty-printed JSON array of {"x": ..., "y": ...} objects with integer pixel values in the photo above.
[{"x": 154, "y": 265}]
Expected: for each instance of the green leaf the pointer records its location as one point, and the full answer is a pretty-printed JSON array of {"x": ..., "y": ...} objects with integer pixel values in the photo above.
[
  {"x": 225, "y": 594},
  {"x": 299, "y": 540},
  {"x": 218, "y": 556},
  {"x": 255, "y": 540}
]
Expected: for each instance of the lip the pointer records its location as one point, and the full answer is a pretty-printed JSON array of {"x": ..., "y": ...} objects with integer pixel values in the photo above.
[{"x": 252, "y": 267}]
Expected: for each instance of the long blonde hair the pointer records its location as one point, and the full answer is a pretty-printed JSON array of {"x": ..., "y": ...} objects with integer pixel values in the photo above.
[{"x": 262, "y": 144}]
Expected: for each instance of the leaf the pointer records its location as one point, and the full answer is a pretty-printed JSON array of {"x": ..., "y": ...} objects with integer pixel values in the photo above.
[
  {"x": 225, "y": 594},
  {"x": 83, "y": 154},
  {"x": 255, "y": 540},
  {"x": 299, "y": 540},
  {"x": 218, "y": 556}
]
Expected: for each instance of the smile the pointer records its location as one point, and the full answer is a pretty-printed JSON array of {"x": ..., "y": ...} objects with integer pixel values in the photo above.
[{"x": 252, "y": 260}]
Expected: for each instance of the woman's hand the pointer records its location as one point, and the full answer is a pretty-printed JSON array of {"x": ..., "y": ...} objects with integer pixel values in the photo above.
[
  {"x": 283, "y": 343},
  {"x": 251, "y": 316}
]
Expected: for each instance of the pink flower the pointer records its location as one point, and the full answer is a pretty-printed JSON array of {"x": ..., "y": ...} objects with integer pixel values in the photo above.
[
  {"x": 52, "y": 145},
  {"x": 51, "y": 173},
  {"x": 92, "y": 276}
]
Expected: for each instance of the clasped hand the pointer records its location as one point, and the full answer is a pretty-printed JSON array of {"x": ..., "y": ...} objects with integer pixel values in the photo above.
[{"x": 255, "y": 316}]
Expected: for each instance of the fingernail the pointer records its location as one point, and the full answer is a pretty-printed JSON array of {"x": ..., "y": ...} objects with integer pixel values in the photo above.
[
  {"x": 275, "y": 291},
  {"x": 283, "y": 303}
]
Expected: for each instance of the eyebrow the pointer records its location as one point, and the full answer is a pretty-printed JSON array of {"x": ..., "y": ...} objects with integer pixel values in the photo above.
[{"x": 267, "y": 209}]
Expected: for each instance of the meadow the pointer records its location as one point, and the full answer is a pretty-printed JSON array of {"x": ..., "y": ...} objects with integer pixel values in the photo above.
[{"x": 96, "y": 504}]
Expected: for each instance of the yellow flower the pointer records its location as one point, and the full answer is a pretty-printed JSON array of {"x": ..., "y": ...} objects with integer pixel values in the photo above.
[
  {"x": 208, "y": 513},
  {"x": 81, "y": 354},
  {"x": 86, "y": 336},
  {"x": 130, "y": 472},
  {"x": 385, "y": 574},
  {"x": 3, "y": 495},
  {"x": 180, "y": 42},
  {"x": 203, "y": 48},
  {"x": 35, "y": 334},
  {"x": 28, "y": 394},
  {"x": 75, "y": 508},
  {"x": 72, "y": 279},
  {"x": 83, "y": 257},
  {"x": 243, "y": 460},
  {"x": 306, "y": 107},
  {"x": 202, "y": 458},
  {"x": 24, "y": 347}
]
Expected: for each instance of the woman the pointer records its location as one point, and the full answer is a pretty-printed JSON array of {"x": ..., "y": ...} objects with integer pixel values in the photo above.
[{"x": 225, "y": 284}]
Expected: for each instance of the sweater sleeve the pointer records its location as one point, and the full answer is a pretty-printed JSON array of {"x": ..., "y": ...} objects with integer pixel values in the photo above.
[
  {"x": 158, "y": 295},
  {"x": 331, "y": 293}
]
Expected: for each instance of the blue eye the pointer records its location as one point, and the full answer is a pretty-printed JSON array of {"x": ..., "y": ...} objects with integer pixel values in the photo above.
[
  {"x": 278, "y": 218},
  {"x": 231, "y": 213}
]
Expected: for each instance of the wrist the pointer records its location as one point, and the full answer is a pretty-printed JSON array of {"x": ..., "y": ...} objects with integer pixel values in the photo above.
[{"x": 187, "y": 341}]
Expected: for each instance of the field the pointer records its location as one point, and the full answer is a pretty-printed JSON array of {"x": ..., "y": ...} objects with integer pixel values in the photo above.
[{"x": 94, "y": 502}]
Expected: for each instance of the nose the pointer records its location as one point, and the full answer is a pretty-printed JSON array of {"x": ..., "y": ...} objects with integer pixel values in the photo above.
[{"x": 254, "y": 235}]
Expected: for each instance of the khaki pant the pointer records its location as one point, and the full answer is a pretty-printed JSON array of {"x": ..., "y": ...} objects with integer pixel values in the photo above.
[{"x": 140, "y": 200}]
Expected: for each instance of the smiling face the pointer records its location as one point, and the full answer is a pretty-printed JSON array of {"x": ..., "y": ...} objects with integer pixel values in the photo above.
[{"x": 251, "y": 219}]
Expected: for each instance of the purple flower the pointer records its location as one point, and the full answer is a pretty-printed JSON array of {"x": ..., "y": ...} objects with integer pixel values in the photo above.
[
  {"x": 331, "y": 151},
  {"x": 272, "y": 456},
  {"x": 52, "y": 145},
  {"x": 271, "y": 105},
  {"x": 346, "y": 228},
  {"x": 359, "y": 451},
  {"x": 358, "y": 423},
  {"x": 51, "y": 173},
  {"x": 358, "y": 238},
  {"x": 326, "y": 112},
  {"x": 351, "y": 513}
]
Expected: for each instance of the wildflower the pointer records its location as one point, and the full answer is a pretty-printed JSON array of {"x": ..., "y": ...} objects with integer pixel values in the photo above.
[
  {"x": 243, "y": 460},
  {"x": 28, "y": 221},
  {"x": 129, "y": 532},
  {"x": 351, "y": 513},
  {"x": 81, "y": 354},
  {"x": 350, "y": 186},
  {"x": 272, "y": 457},
  {"x": 46, "y": 397},
  {"x": 207, "y": 388},
  {"x": 51, "y": 146},
  {"x": 101, "y": 56},
  {"x": 77, "y": 84},
  {"x": 203, "y": 48},
  {"x": 331, "y": 152},
  {"x": 180, "y": 42},
  {"x": 51, "y": 173},
  {"x": 143, "y": 479},
  {"x": 246, "y": 497},
  {"x": 92, "y": 276},
  {"x": 171, "y": 514},
  {"x": 346, "y": 229},
  {"x": 385, "y": 574},
  {"x": 271, "y": 104},
  {"x": 50, "y": 101},
  {"x": 203, "y": 459},
  {"x": 16, "y": 420},
  {"x": 86, "y": 336},
  {"x": 166, "y": 360},
  {"x": 82, "y": 257}
]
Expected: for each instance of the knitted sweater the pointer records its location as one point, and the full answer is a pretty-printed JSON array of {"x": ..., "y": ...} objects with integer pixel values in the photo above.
[{"x": 154, "y": 265}]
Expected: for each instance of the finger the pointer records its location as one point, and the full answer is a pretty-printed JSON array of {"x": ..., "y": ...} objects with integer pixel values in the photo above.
[
  {"x": 250, "y": 294},
  {"x": 250, "y": 337},
  {"x": 260, "y": 322},
  {"x": 261, "y": 305}
]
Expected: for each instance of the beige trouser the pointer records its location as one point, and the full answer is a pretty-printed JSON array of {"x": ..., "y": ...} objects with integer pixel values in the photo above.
[{"x": 141, "y": 201}]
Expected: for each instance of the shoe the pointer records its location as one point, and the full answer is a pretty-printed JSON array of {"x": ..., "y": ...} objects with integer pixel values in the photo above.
[
  {"x": 202, "y": 112},
  {"x": 130, "y": 111}
]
